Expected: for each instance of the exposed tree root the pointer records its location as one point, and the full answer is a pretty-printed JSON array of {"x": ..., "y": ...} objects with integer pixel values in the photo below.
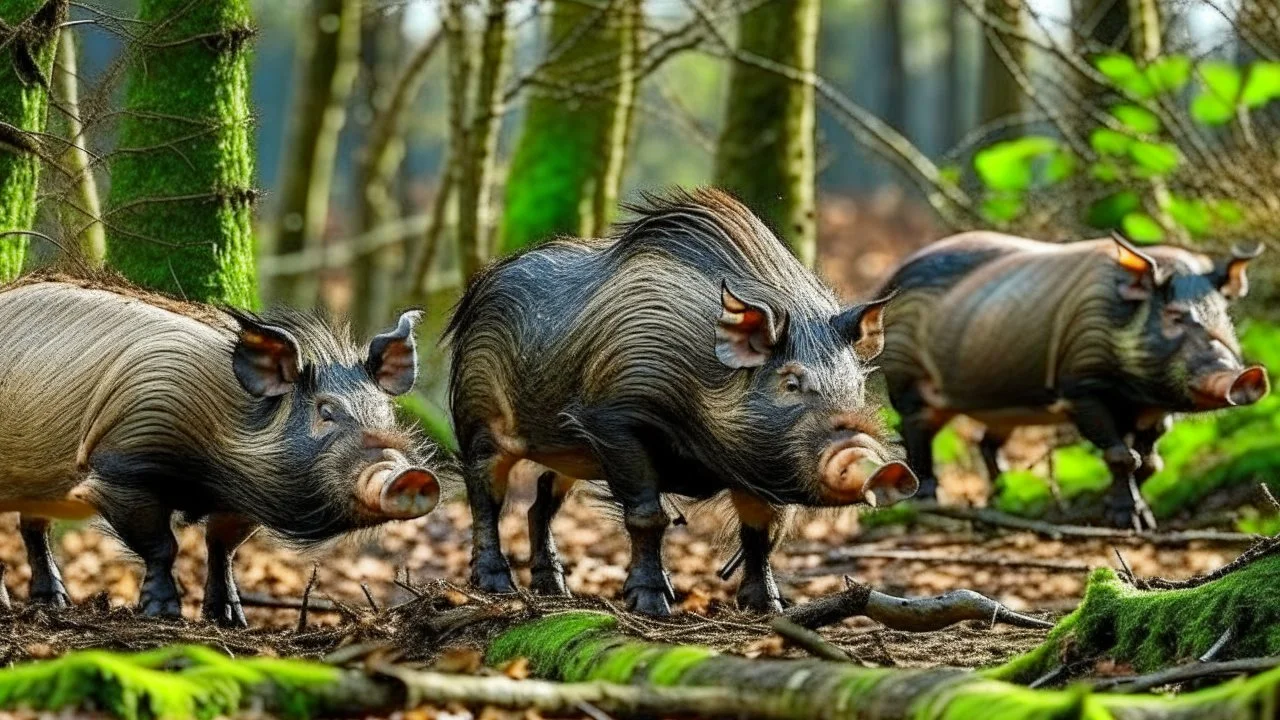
[
  {"x": 1154, "y": 629},
  {"x": 914, "y": 614}
]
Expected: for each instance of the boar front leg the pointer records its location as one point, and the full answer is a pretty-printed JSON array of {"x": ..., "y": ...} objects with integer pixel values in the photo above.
[
  {"x": 544, "y": 561},
  {"x": 1097, "y": 424},
  {"x": 758, "y": 591},
  {"x": 486, "y": 479},
  {"x": 143, "y": 525},
  {"x": 223, "y": 534},
  {"x": 46, "y": 580}
]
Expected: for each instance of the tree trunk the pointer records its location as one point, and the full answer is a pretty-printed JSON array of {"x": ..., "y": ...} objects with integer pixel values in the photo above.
[
  {"x": 28, "y": 42},
  {"x": 895, "y": 104},
  {"x": 328, "y": 60},
  {"x": 79, "y": 208},
  {"x": 482, "y": 143},
  {"x": 766, "y": 150},
  {"x": 179, "y": 212},
  {"x": 1001, "y": 94},
  {"x": 1104, "y": 22},
  {"x": 567, "y": 165},
  {"x": 955, "y": 122}
]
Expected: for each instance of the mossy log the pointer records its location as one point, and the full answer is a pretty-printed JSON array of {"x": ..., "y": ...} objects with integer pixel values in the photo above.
[
  {"x": 28, "y": 41},
  {"x": 179, "y": 212}
]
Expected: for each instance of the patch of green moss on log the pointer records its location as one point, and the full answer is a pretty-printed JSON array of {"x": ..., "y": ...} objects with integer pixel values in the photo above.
[
  {"x": 26, "y": 66},
  {"x": 579, "y": 646},
  {"x": 1151, "y": 629},
  {"x": 179, "y": 212}
]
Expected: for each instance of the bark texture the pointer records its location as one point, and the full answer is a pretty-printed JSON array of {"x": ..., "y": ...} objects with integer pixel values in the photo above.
[
  {"x": 179, "y": 212},
  {"x": 1001, "y": 94},
  {"x": 568, "y": 163},
  {"x": 328, "y": 60},
  {"x": 28, "y": 42},
  {"x": 766, "y": 150},
  {"x": 482, "y": 142},
  {"x": 80, "y": 208}
]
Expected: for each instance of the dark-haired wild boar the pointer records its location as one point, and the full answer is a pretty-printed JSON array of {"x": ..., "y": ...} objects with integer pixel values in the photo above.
[
  {"x": 1099, "y": 333},
  {"x": 690, "y": 353},
  {"x": 133, "y": 406}
]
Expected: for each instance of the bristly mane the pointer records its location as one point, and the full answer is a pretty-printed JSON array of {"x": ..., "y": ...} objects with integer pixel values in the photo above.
[{"x": 322, "y": 340}]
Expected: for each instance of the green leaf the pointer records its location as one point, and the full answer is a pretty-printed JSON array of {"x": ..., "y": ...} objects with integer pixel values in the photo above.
[
  {"x": 1002, "y": 208},
  {"x": 1158, "y": 158},
  {"x": 1137, "y": 119},
  {"x": 1078, "y": 469},
  {"x": 1170, "y": 73},
  {"x": 1219, "y": 92},
  {"x": 1142, "y": 228},
  {"x": 1061, "y": 165},
  {"x": 1006, "y": 166},
  {"x": 1105, "y": 171},
  {"x": 1110, "y": 211},
  {"x": 1124, "y": 73},
  {"x": 949, "y": 448},
  {"x": 950, "y": 174},
  {"x": 1106, "y": 141},
  {"x": 1191, "y": 213},
  {"x": 1262, "y": 85}
]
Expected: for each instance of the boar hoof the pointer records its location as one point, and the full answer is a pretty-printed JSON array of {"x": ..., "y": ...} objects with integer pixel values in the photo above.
[
  {"x": 56, "y": 599},
  {"x": 229, "y": 615},
  {"x": 161, "y": 607},
  {"x": 493, "y": 580},
  {"x": 928, "y": 488},
  {"x": 756, "y": 599},
  {"x": 548, "y": 581},
  {"x": 648, "y": 600}
]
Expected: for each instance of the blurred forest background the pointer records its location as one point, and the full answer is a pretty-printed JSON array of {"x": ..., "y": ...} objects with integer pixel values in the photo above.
[{"x": 365, "y": 155}]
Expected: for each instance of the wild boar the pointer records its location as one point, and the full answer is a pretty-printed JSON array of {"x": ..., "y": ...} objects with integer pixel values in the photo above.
[
  {"x": 133, "y": 406},
  {"x": 689, "y": 353},
  {"x": 1099, "y": 333}
]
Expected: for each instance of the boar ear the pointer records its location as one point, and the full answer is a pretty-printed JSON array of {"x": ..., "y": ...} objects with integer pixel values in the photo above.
[
  {"x": 863, "y": 327},
  {"x": 266, "y": 358},
  {"x": 746, "y": 332},
  {"x": 393, "y": 356},
  {"x": 1229, "y": 275},
  {"x": 1141, "y": 266}
]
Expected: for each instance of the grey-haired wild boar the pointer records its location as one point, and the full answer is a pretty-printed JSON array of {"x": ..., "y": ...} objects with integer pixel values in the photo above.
[
  {"x": 689, "y": 353},
  {"x": 134, "y": 406},
  {"x": 1099, "y": 333}
]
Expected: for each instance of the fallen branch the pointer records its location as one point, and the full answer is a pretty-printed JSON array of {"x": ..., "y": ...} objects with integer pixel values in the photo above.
[
  {"x": 914, "y": 614},
  {"x": 807, "y": 639},
  {"x": 995, "y": 518},
  {"x": 856, "y": 553},
  {"x": 270, "y": 602},
  {"x": 1184, "y": 673}
]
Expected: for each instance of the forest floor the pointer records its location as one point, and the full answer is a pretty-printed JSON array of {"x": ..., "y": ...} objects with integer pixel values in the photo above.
[{"x": 1025, "y": 572}]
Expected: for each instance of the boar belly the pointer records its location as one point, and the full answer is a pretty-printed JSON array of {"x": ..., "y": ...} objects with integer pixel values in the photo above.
[{"x": 577, "y": 463}]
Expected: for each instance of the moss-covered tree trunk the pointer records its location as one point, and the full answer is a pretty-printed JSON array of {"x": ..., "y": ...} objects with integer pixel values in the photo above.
[
  {"x": 1001, "y": 94},
  {"x": 568, "y": 162},
  {"x": 79, "y": 208},
  {"x": 328, "y": 60},
  {"x": 766, "y": 149},
  {"x": 28, "y": 43},
  {"x": 180, "y": 208}
]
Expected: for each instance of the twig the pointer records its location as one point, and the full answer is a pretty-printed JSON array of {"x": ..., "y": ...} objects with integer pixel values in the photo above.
[
  {"x": 306, "y": 597},
  {"x": 1184, "y": 673},
  {"x": 1129, "y": 577},
  {"x": 1271, "y": 499},
  {"x": 369, "y": 596},
  {"x": 1227, "y": 636},
  {"x": 995, "y": 518},
  {"x": 807, "y": 639},
  {"x": 262, "y": 600},
  {"x": 4, "y": 591},
  {"x": 1260, "y": 549},
  {"x": 842, "y": 554}
]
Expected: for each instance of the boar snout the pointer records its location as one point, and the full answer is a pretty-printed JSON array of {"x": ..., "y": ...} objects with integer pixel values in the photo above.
[
  {"x": 1228, "y": 388},
  {"x": 394, "y": 490},
  {"x": 851, "y": 470}
]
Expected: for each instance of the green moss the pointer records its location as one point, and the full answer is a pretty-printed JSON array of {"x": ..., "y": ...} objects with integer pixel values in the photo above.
[
  {"x": 1154, "y": 629},
  {"x": 173, "y": 682},
  {"x": 179, "y": 211},
  {"x": 24, "y": 103}
]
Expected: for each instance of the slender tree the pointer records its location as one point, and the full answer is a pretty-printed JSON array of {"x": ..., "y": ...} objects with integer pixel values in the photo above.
[
  {"x": 28, "y": 42},
  {"x": 476, "y": 175},
  {"x": 179, "y": 211},
  {"x": 328, "y": 61},
  {"x": 766, "y": 149},
  {"x": 954, "y": 124},
  {"x": 1102, "y": 24},
  {"x": 1002, "y": 53},
  {"x": 568, "y": 163},
  {"x": 895, "y": 106},
  {"x": 80, "y": 209}
]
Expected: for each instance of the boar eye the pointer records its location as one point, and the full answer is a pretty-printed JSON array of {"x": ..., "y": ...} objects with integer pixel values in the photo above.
[
  {"x": 327, "y": 412},
  {"x": 791, "y": 384}
]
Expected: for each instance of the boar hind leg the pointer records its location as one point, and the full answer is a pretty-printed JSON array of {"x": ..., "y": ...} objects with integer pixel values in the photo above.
[
  {"x": 989, "y": 446},
  {"x": 758, "y": 591},
  {"x": 143, "y": 525},
  {"x": 486, "y": 479},
  {"x": 223, "y": 535},
  {"x": 917, "y": 436},
  {"x": 1124, "y": 504},
  {"x": 634, "y": 483},
  {"x": 544, "y": 562},
  {"x": 46, "y": 579}
]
